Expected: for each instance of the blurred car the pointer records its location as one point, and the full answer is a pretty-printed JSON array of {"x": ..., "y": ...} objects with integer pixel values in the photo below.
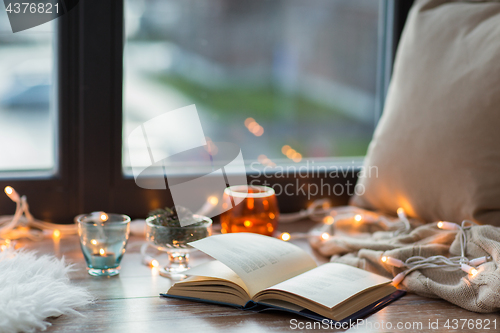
[
  {"x": 28, "y": 85},
  {"x": 33, "y": 97}
]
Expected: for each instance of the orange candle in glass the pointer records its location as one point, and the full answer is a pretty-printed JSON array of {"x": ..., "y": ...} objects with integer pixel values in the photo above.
[{"x": 257, "y": 212}]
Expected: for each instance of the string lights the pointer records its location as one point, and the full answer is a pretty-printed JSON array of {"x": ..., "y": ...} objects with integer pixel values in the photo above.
[
  {"x": 406, "y": 223},
  {"x": 208, "y": 206},
  {"x": 440, "y": 262},
  {"x": 146, "y": 258},
  {"x": 317, "y": 211},
  {"x": 291, "y": 153},
  {"x": 332, "y": 218},
  {"x": 264, "y": 160},
  {"x": 285, "y": 236},
  {"x": 254, "y": 127},
  {"x": 23, "y": 225},
  {"x": 6, "y": 244},
  {"x": 320, "y": 210}
]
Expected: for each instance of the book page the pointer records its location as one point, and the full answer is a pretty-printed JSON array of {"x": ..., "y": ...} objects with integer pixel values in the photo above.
[
  {"x": 209, "y": 289},
  {"x": 216, "y": 269},
  {"x": 331, "y": 283},
  {"x": 260, "y": 261}
]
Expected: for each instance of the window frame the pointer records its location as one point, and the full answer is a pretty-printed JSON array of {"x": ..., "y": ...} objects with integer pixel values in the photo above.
[
  {"x": 51, "y": 197},
  {"x": 90, "y": 42}
]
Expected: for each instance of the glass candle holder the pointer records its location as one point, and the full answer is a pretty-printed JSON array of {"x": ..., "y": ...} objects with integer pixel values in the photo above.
[
  {"x": 174, "y": 241},
  {"x": 258, "y": 212},
  {"x": 103, "y": 240}
]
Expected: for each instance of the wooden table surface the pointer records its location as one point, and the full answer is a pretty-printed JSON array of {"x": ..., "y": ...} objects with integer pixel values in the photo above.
[{"x": 130, "y": 302}]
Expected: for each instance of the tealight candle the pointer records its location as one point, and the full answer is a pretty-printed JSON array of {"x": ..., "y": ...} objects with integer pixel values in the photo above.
[
  {"x": 103, "y": 260},
  {"x": 103, "y": 238}
]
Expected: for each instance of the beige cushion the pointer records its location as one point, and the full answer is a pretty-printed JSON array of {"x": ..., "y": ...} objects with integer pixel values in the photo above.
[{"x": 437, "y": 145}]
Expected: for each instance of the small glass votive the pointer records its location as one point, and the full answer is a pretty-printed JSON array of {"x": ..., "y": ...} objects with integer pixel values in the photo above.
[
  {"x": 103, "y": 238},
  {"x": 258, "y": 212},
  {"x": 174, "y": 241}
]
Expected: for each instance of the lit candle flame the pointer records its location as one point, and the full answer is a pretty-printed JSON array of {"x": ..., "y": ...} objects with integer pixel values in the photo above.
[
  {"x": 93, "y": 241},
  {"x": 56, "y": 233},
  {"x": 358, "y": 217},
  {"x": 102, "y": 252},
  {"x": 250, "y": 203},
  {"x": 325, "y": 236},
  {"x": 104, "y": 217},
  {"x": 155, "y": 263}
]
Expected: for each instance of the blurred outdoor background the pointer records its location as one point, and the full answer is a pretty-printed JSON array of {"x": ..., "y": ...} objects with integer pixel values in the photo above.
[
  {"x": 286, "y": 80},
  {"x": 28, "y": 116},
  {"x": 283, "y": 79}
]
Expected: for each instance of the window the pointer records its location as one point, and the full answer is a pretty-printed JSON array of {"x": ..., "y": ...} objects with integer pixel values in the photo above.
[
  {"x": 28, "y": 114},
  {"x": 286, "y": 80},
  {"x": 90, "y": 86}
]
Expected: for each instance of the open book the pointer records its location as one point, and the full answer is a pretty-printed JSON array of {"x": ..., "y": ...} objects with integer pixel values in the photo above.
[{"x": 260, "y": 273}]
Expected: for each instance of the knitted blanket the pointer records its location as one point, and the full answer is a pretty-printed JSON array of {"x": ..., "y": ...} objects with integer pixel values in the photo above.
[{"x": 478, "y": 293}]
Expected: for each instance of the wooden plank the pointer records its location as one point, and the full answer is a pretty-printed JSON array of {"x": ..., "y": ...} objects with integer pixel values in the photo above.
[{"x": 129, "y": 302}]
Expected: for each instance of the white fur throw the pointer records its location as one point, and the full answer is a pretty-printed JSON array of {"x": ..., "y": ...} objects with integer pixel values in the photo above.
[{"x": 33, "y": 289}]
